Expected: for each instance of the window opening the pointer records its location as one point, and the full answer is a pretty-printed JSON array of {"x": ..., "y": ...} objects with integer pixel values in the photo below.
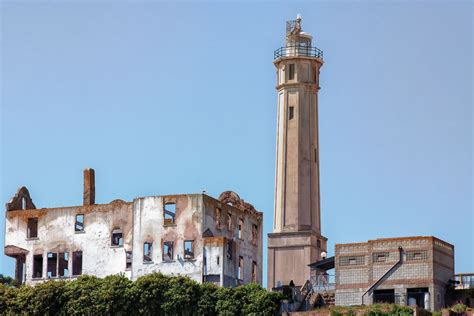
[
  {"x": 229, "y": 221},
  {"x": 77, "y": 263},
  {"x": 52, "y": 264},
  {"x": 168, "y": 251},
  {"x": 218, "y": 218},
  {"x": 117, "y": 237},
  {"x": 147, "y": 252},
  {"x": 417, "y": 255},
  {"x": 188, "y": 249},
  {"x": 128, "y": 260},
  {"x": 241, "y": 227},
  {"x": 254, "y": 272},
  {"x": 37, "y": 266},
  {"x": 380, "y": 256},
  {"x": 291, "y": 72},
  {"x": 384, "y": 296},
  {"x": 169, "y": 213},
  {"x": 32, "y": 231},
  {"x": 218, "y": 260},
  {"x": 354, "y": 260},
  {"x": 291, "y": 112},
  {"x": 63, "y": 264},
  {"x": 229, "y": 249},
  {"x": 79, "y": 225},
  {"x": 240, "y": 271},
  {"x": 254, "y": 234}
]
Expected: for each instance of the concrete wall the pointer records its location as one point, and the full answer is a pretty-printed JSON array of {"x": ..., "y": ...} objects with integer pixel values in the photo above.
[
  {"x": 56, "y": 234},
  {"x": 149, "y": 227}
]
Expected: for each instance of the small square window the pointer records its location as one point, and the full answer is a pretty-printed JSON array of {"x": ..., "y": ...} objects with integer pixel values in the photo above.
[
  {"x": 229, "y": 221},
  {"x": 240, "y": 271},
  {"x": 218, "y": 217},
  {"x": 79, "y": 225},
  {"x": 254, "y": 272},
  {"x": 147, "y": 252},
  {"x": 32, "y": 229},
  {"x": 168, "y": 251},
  {"x": 117, "y": 238},
  {"x": 241, "y": 228},
  {"x": 77, "y": 263},
  {"x": 128, "y": 260},
  {"x": 188, "y": 249},
  {"x": 291, "y": 71},
  {"x": 169, "y": 213}
]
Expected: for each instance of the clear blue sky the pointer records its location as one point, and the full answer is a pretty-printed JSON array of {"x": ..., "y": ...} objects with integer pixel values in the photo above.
[{"x": 165, "y": 98}]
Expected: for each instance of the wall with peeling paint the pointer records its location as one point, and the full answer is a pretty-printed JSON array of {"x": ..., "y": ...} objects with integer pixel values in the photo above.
[{"x": 143, "y": 221}]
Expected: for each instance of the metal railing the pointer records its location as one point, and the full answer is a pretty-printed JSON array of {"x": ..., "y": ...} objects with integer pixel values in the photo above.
[
  {"x": 299, "y": 50},
  {"x": 323, "y": 283},
  {"x": 463, "y": 281}
]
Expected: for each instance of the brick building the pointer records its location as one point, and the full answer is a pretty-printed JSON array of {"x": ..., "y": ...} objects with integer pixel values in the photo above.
[
  {"x": 207, "y": 239},
  {"x": 406, "y": 271}
]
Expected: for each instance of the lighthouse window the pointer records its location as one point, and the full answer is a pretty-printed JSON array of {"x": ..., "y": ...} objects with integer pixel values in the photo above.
[
  {"x": 291, "y": 71},
  {"x": 291, "y": 112}
]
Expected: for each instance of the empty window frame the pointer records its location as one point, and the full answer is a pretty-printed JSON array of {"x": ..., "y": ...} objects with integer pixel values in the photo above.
[
  {"x": 77, "y": 263},
  {"x": 32, "y": 229},
  {"x": 52, "y": 263},
  {"x": 291, "y": 112},
  {"x": 416, "y": 255},
  {"x": 229, "y": 221},
  {"x": 254, "y": 234},
  {"x": 169, "y": 213},
  {"x": 79, "y": 224},
  {"x": 168, "y": 251},
  {"x": 291, "y": 71},
  {"x": 147, "y": 252},
  {"x": 117, "y": 237},
  {"x": 380, "y": 257},
  {"x": 128, "y": 260},
  {"x": 240, "y": 269},
  {"x": 241, "y": 228},
  {"x": 254, "y": 272},
  {"x": 37, "y": 266},
  {"x": 351, "y": 260},
  {"x": 189, "y": 249},
  {"x": 218, "y": 217},
  {"x": 63, "y": 264},
  {"x": 229, "y": 249}
]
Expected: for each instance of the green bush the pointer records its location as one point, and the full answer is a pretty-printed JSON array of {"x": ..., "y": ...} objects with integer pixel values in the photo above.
[{"x": 152, "y": 294}]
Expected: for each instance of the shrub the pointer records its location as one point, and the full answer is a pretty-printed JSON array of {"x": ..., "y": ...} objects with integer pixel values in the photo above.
[
  {"x": 153, "y": 294},
  {"x": 459, "y": 308}
]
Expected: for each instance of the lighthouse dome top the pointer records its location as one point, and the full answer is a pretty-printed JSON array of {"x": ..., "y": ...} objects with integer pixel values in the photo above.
[{"x": 297, "y": 42}]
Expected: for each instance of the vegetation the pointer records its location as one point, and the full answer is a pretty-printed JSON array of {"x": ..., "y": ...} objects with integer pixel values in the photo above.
[
  {"x": 372, "y": 310},
  {"x": 153, "y": 294}
]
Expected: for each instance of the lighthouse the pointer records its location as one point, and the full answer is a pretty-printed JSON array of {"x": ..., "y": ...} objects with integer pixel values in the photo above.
[{"x": 296, "y": 240}]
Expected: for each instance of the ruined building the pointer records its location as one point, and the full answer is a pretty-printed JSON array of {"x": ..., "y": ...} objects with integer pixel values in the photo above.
[
  {"x": 296, "y": 240},
  {"x": 195, "y": 235}
]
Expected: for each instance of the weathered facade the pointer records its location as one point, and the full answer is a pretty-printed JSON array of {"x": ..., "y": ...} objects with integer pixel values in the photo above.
[
  {"x": 406, "y": 271},
  {"x": 296, "y": 240},
  {"x": 207, "y": 239}
]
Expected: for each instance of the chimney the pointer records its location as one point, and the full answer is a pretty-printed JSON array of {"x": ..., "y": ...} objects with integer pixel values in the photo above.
[{"x": 89, "y": 186}]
